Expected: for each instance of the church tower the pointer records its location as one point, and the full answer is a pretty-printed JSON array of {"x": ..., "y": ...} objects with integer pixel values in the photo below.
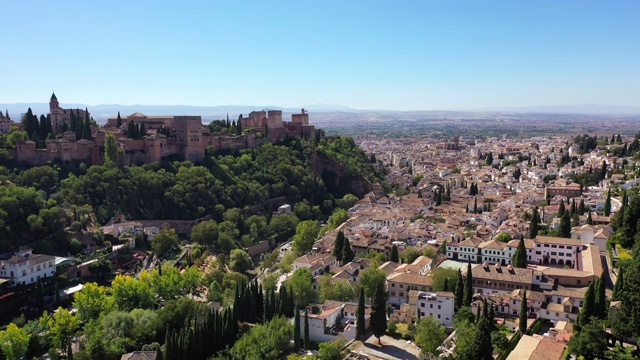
[{"x": 53, "y": 103}]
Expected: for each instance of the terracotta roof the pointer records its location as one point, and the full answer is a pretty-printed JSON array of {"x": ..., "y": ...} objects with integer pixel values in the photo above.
[{"x": 491, "y": 273}]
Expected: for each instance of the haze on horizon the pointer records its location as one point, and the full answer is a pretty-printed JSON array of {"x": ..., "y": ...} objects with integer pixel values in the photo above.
[{"x": 393, "y": 55}]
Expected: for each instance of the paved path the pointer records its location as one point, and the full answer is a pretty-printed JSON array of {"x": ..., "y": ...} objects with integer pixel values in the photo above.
[{"x": 391, "y": 349}]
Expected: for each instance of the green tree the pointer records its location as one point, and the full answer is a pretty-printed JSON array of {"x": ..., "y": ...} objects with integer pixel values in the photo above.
[
  {"x": 588, "y": 306},
  {"x": 301, "y": 284},
  {"x": 459, "y": 292},
  {"x": 296, "y": 330},
  {"x": 266, "y": 341},
  {"x": 519, "y": 259},
  {"x": 347, "y": 253},
  {"x": 429, "y": 335},
  {"x": 600, "y": 298},
  {"x": 306, "y": 234},
  {"x": 164, "y": 241},
  {"x": 337, "y": 248},
  {"x": 590, "y": 341},
  {"x": 565, "y": 225},
  {"x": 332, "y": 350},
  {"x": 370, "y": 279},
  {"x": 307, "y": 341},
  {"x": 504, "y": 237},
  {"x": 14, "y": 342},
  {"x": 522, "y": 323},
  {"x": 533, "y": 225},
  {"x": 62, "y": 327},
  {"x": 589, "y": 219},
  {"x": 360, "y": 312},
  {"x": 205, "y": 233},
  {"x": 240, "y": 261},
  {"x": 110, "y": 148},
  {"x": 336, "y": 219},
  {"x": 378, "y": 312},
  {"x": 92, "y": 302},
  {"x": 607, "y": 204},
  {"x": 468, "y": 287},
  {"x": 561, "y": 209}
]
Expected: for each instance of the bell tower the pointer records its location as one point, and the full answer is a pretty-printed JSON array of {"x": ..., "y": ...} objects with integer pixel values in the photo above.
[{"x": 53, "y": 103}]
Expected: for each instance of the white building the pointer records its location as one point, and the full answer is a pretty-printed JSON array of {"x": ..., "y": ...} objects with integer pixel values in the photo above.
[
  {"x": 24, "y": 267},
  {"x": 439, "y": 305}
]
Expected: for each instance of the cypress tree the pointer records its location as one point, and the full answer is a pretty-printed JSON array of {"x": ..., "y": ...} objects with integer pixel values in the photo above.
[
  {"x": 589, "y": 220},
  {"x": 600, "y": 305},
  {"x": 581, "y": 208},
  {"x": 565, "y": 225},
  {"x": 379, "y": 313},
  {"x": 475, "y": 205},
  {"x": 574, "y": 209},
  {"x": 468, "y": 287},
  {"x": 588, "y": 305},
  {"x": 360, "y": 325},
  {"x": 260, "y": 304},
  {"x": 296, "y": 331},
  {"x": 69, "y": 352},
  {"x": 522, "y": 324},
  {"x": 395, "y": 257},
  {"x": 459, "y": 291},
  {"x": 519, "y": 259},
  {"x": 347, "y": 253},
  {"x": 337, "y": 248},
  {"x": 533, "y": 225},
  {"x": 168, "y": 345},
  {"x": 619, "y": 286},
  {"x": 483, "y": 337},
  {"x": 446, "y": 285},
  {"x": 561, "y": 209},
  {"x": 307, "y": 341},
  {"x": 239, "y": 127},
  {"x": 607, "y": 204},
  {"x": 119, "y": 121}
]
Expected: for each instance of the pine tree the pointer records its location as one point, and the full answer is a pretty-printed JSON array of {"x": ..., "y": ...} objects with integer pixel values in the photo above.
[
  {"x": 522, "y": 324},
  {"x": 307, "y": 341},
  {"x": 607, "y": 204},
  {"x": 519, "y": 259},
  {"x": 360, "y": 325},
  {"x": 468, "y": 287},
  {"x": 378, "y": 319},
  {"x": 296, "y": 331},
  {"x": 339, "y": 244},
  {"x": 395, "y": 257},
  {"x": 459, "y": 293},
  {"x": 347, "y": 253}
]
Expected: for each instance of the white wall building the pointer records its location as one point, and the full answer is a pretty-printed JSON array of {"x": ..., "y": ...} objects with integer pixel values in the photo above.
[
  {"x": 439, "y": 305},
  {"x": 24, "y": 267}
]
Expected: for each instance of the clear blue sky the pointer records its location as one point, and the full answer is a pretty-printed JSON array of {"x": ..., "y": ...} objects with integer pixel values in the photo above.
[{"x": 401, "y": 55}]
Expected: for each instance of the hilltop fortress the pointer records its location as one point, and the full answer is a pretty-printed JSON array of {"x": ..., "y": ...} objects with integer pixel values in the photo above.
[{"x": 182, "y": 136}]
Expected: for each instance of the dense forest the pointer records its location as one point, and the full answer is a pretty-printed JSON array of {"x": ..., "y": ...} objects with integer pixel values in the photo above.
[{"x": 37, "y": 203}]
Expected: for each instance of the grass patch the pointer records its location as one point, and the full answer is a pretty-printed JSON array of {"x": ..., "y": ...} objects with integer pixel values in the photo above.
[{"x": 623, "y": 254}]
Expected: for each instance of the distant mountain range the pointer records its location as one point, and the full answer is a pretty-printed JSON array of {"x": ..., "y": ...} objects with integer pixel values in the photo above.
[{"x": 101, "y": 112}]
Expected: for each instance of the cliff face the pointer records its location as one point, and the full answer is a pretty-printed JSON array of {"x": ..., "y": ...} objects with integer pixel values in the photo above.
[{"x": 338, "y": 178}]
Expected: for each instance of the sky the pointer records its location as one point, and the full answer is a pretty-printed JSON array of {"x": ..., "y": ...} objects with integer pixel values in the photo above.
[{"x": 394, "y": 55}]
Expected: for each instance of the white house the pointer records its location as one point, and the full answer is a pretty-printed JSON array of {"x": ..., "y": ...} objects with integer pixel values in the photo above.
[
  {"x": 329, "y": 321},
  {"x": 24, "y": 267},
  {"x": 439, "y": 305}
]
